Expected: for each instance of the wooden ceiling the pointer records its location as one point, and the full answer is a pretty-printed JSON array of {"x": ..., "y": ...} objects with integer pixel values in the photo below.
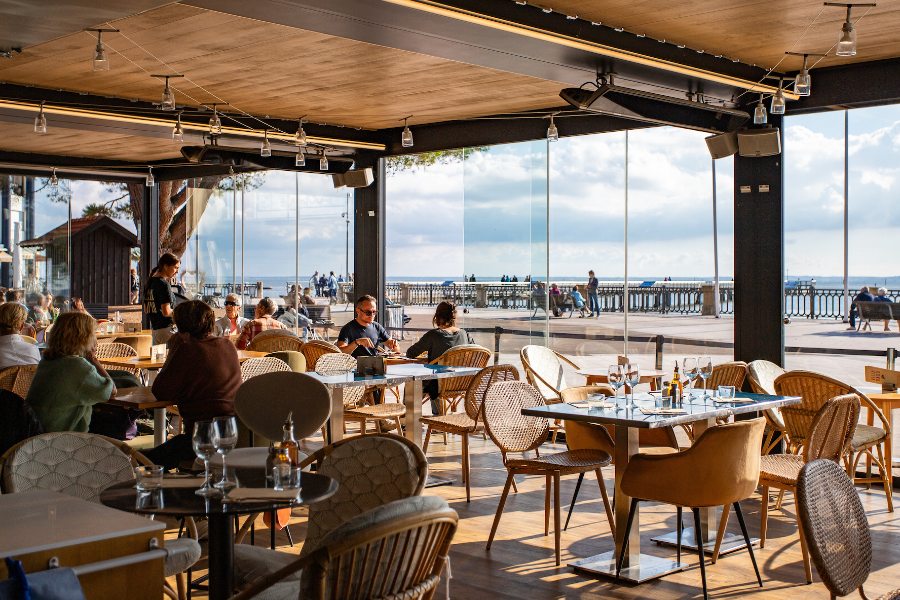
[
  {"x": 751, "y": 31},
  {"x": 268, "y": 69}
]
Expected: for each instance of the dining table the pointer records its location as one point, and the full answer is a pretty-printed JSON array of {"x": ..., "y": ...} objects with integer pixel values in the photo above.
[
  {"x": 178, "y": 499},
  {"x": 157, "y": 362},
  {"x": 701, "y": 413},
  {"x": 142, "y": 398}
]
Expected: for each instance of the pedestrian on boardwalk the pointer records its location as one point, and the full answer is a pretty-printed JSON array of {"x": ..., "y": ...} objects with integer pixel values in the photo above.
[
  {"x": 593, "y": 301},
  {"x": 323, "y": 284},
  {"x": 314, "y": 282},
  {"x": 332, "y": 288}
]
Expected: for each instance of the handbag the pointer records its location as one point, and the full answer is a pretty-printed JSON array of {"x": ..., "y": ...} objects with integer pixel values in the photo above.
[{"x": 60, "y": 583}]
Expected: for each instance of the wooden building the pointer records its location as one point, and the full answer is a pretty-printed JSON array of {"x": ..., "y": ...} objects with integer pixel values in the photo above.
[{"x": 101, "y": 258}]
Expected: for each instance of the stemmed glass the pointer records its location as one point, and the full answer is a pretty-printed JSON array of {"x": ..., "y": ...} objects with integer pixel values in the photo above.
[
  {"x": 632, "y": 377},
  {"x": 690, "y": 372},
  {"x": 204, "y": 441},
  {"x": 226, "y": 440},
  {"x": 616, "y": 378},
  {"x": 705, "y": 369}
]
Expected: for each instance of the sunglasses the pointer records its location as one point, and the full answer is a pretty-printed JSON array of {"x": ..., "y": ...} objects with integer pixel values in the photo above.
[
  {"x": 368, "y": 313},
  {"x": 230, "y": 303}
]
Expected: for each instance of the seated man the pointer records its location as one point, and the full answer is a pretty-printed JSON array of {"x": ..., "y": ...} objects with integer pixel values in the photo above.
[
  {"x": 263, "y": 321},
  {"x": 291, "y": 318},
  {"x": 233, "y": 322},
  {"x": 362, "y": 335},
  {"x": 862, "y": 296},
  {"x": 882, "y": 297}
]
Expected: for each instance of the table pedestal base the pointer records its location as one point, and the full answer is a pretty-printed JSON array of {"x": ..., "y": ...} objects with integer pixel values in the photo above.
[
  {"x": 435, "y": 481},
  {"x": 730, "y": 542},
  {"x": 648, "y": 567}
]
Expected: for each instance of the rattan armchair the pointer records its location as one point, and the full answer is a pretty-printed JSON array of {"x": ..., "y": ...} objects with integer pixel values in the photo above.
[
  {"x": 544, "y": 370},
  {"x": 258, "y": 366},
  {"x": 829, "y": 438},
  {"x": 275, "y": 340},
  {"x": 453, "y": 389},
  {"x": 314, "y": 349},
  {"x": 815, "y": 389},
  {"x": 762, "y": 375},
  {"x": 116, "y": 350},
  {"x": 17, "y": 379},
  {"x": 514, "y": 432},
  {"x": 835, "y": 529},
  {"x": 468, "y": 422},
  {"x": 730, "y": 373}
]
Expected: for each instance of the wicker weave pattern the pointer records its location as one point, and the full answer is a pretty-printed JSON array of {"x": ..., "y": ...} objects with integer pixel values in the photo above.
[
  {"x": 274, "y": 343},
  {"x": 259, "y": 366},
  {"x": 571, "y": 461},
  {"x": 506, "y": 425},
  {"x": 116, "y": 350},
  {"x": 480, "y": 383},
  {"x": 544, "y": 371},
  {"x": 339, "y": 364},
  {"x": 17, "y": 379},
  {"x": 313, "y": 349},
  {"x": 762, "y": 375},
  {"x": 452, "y": 389},
  {"x": 377, "y": 411},
  {"x": 451, "y": 423},
  {"x": 581, "y": 393},
  {"x": 731, "y": 373}
]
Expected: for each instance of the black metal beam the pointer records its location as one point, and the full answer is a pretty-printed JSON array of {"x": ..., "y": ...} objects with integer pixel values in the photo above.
[
  {"x": 368, "y": 232},
  {"x": 857, "y": 85},
  {"x": 148, "y": 232}
]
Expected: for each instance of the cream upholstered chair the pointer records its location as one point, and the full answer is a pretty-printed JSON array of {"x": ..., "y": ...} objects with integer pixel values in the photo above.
[
  {"x": 514, "y": 432},
  {"x": 394, "y": 551},
  {"x": 273, "y": 340},
  {"x": 453, "y": 389},
  {"x": 17, "y": 379},
  {"x": 829, "y": 438},
  {"x": 467, "y": 422},
  {"x": 721, "y": 468},
  {"x": 762, "y": 375},
  {"x": 295, "y": 360},
  {"x": 371, "y": 470},
  {"x": 544, "y": 371},
  {"x": 82, "y": 465},
  {"x": 259, "y": 366},
  {"x": 313, "y": 349},
  {"x": 815, "y": 389},
  {"x": 28, "y": 338}
]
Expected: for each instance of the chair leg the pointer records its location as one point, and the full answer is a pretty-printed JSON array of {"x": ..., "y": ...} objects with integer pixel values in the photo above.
[
  {"x": 698, "y": 534},
  {"x": 272, "y": 524},
  {"x": 740, "y": 516},
  {"x": 427, "y": 438},
  {"x": 509, "y": 479},
  {"x": 678, "y": 528},
  {"x": 181, "y": 583},
  {"x": 884, "y": 467},
  {"x": 290, "y": 538},
  {"x": 723, "y": 525},
  {"x": 807, "y": 568},
  {"x": 465, "y": 466},
  {"x": 574, "y": 496},
  {"x": 547, "y": 504},
  {"x": 763, "y": 517},
  {"x": 556, "y": 530},
  {"x": 168, "y": 591},
  {"x": 610, "y": 510},
  {"x": 631, "y": 511},
  {"x": 780, "y": 500}
]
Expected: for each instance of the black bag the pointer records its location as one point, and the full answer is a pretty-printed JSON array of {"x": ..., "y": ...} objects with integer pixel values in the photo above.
[{"x": 18, "y": 423}]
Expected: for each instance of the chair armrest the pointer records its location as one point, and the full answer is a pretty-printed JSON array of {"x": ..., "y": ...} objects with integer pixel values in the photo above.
[
  {"x": 269, "y": 580},
  {"x": 566, "y": 359}
]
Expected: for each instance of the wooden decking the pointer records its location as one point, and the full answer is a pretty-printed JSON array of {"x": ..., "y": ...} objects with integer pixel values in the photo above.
[{"x": 521, "y": 566}]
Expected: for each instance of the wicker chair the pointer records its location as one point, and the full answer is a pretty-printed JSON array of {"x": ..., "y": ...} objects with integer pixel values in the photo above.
[
  {"x": 815, "y": 389},
  {"x": 275, "y": 341},
  {"x": 141, "y": 343},
  {"x": 467, "y": 422},
  {"x": 354, "y": 407},
  {"x": 258, "y": 366},
  {"x": 544, "y": 371},
  {"x": 730, "y": 373},
  {"x": 829, "y": 438},
  {"x": 762, "y": 375},
  {"x": 835, "y": 528},
  {"x": 17, "y": 379},
  {"x": 453, "y": 389},
  {"x": 514, "y": 432},
  {"x": 82, "y": 465},
  {"x": 371, "y": 471},
  {"x": 396, "y": 551},
  {"x": 313, "y": 349},
  {"x": 116, "y": 350},
  {"x": 28, "y": 338}
]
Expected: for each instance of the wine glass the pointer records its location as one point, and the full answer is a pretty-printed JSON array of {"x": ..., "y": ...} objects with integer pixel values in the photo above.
[
  {"x": 632, "y": 378},
  {"x": 204, "y": 441},
  {"x": 690, "y": 373},
  {"x": 616, "y": 378},
  {"x": 705, "y": 369},
  {"x": 226, "y": 440}
]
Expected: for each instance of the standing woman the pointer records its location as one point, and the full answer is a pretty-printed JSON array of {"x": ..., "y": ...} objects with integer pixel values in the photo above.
[
  {"x": 159, "y": 301},
  {"x": 135, "y": 288}
]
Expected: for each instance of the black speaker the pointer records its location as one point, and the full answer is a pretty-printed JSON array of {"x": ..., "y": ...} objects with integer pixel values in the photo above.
[
  {"x": 722, "y": 145},
  {"x": 759, "y": 142}
]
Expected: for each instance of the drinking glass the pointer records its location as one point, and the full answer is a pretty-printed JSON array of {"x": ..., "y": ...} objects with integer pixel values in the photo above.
[
  {"x": 226, "y": 440},
  {"x": 204, "y": 441},
  {"x": 705, "y": 368},
  {"x": 148, "y": 477},
  {"x": 632, "y": 378},
  {"x": 690, "y": 373},
  {"x": 616, "y": 378},
  {"x": 726, "y": 392}
]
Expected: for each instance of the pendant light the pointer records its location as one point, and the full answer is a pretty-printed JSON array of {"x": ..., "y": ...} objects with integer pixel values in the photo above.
[
  {"x": 759, "y": 115},
  {"x": 150, "y": 180},
  {"x": 301, "y": 159},
  {"x": 266, "y": 148},
  {"x": 215, "y": 124},
  {"x": 101, "y": 58},
  {"x": 778, "y": 103},
  {"x": 168, "y": 97},
  {"x": 40, "y": 121},
  {"x": 846, "y": 44},
  {"x": 323, "y": 162},
  {"x": 300, "y": 138},
  {"x": 406, "y": 137},
  {"x": 552, "y": 131},
  {"x": 54, "y": 182},
  {"x": 178, "y": 132},
  {"x": 803, "y": 84}
]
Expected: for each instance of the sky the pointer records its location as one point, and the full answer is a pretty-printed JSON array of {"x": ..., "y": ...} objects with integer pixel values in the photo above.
[{"x": 491, "y": 214}]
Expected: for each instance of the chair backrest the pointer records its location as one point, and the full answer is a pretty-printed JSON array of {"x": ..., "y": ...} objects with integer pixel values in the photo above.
[
  {"x": 313, "y": 349},
  {"x": 503, "y": 419},
  {"x": 730, "y": 373},
  {"x": 470, "y": 355},
  {"x": 259, "y": 366},
  {"x": 76, "y": 464},
  {"x": 335, "y": 364},
  {"x": 28, "y": 338},
  {"x": 481, "y": 383},
  {"x": 141, "y": 343},
  {"x": 19, "y": 421},
  {"x": 834, "y": 526},
  {"x": 762, "y": 374},
  {"x": 17, "y": 379},
  {"x": 273, "y": 340},
  {"x": 116, "y": 350},
  {"x": 295, "y": 360},
  {"x": 371, "y": 470},
  {"x": 581, "y": 393},
  {"x": 544, "y": 371},
  {"x": 832, "y": 429},
  {"x": 263, "y": 403},
  {"x": 393, "y": 551}
]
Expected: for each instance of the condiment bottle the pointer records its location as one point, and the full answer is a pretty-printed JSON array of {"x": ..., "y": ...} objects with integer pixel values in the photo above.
[
  {"x": 677, "y": 388},
  {"x": 289, "y": 443}
]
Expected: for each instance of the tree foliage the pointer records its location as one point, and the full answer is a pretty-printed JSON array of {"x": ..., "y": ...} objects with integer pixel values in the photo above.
[{"x": 411, "y": 162}]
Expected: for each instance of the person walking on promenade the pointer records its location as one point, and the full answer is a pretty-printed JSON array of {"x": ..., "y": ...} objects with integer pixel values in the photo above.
[
  {"x": 593, "y": 301},
  {"x": 323, "y": 284},
  {"x": 314, "y": 282},
  {"x": 332, "y": 288},
  {"x": 862, "y": 296}
]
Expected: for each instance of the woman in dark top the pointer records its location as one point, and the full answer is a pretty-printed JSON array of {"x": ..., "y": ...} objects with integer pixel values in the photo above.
[
  {"x": 444, "y": 336},
  {"x": 201, "y": 375},
  {"x": 159, "y": 301}
]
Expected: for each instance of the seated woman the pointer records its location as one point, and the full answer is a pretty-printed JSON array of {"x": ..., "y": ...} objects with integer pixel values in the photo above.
[
  {"x": 578, "y": 299},
  {"x": 69, "y": 380},
  {"x": 444, "y": 336},
  {"x": 13, "y": 349},
  {"x": 201, "y": 376},
  {"x": 37, "y": 313}
]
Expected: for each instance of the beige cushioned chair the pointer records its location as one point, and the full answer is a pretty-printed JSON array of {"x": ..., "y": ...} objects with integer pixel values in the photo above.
[{"x": 762, "y": 375}]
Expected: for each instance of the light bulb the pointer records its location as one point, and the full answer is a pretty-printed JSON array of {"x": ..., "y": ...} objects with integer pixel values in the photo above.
[
  {"x": 54, "y": 182},
  {"x": 178, "y": 132},
  {"x": 778, "y": 103},
  {"x": 168, "y": 98},
  {"x": 150, "y": 180},
  {"x": 40, "y": 121},
  {"x": 301, "y": 159},
  {"x": 552, "y": 131},
  {"x": 101, "y": 58},
  {"x": 300, "y": 138},
  {"x": 266, "y": 148},
  {"x": 323, "y": 162},
  {"x": 759, "y": 115},
  {"x": 846, "y": 45}
]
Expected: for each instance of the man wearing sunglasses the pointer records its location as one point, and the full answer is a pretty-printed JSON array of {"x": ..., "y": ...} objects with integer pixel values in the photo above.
[
  {"x": 362, "y": 335},
  {"x": 233, "y": 322}
]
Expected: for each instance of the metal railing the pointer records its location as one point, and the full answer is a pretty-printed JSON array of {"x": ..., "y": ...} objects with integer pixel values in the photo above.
[{"x": 813, "y": 303}]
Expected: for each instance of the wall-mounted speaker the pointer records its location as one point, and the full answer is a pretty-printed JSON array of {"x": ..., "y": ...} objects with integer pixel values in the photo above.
[
  {"x": 357, "y": 178},
  {"x": 759, "y": 142},
  {"x": 722, "y": 145}
]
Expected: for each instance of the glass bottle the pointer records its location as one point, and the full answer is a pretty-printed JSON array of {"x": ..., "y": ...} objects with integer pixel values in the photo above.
[
  {"x": 281, "y": 468},
  {"x": 677, "y": 390},
  {"x": 270, "y": 462},
  {"x": 289, "y": 443}
]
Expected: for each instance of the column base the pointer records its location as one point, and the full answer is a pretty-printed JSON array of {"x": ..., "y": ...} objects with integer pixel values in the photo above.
[
  {"x": 648, "y": 567},
  {"x": 730, "y": 542}
]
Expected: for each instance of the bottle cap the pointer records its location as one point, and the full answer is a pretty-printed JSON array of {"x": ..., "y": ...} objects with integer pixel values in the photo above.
[{"x": 289, "y": 421}]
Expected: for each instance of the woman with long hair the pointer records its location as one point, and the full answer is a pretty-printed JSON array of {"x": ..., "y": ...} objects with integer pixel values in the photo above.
[{"x": 159, "y": 301}]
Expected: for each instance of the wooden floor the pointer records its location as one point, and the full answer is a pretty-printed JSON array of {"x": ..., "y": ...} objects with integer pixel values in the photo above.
[{"x": 521, "y": 565}]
